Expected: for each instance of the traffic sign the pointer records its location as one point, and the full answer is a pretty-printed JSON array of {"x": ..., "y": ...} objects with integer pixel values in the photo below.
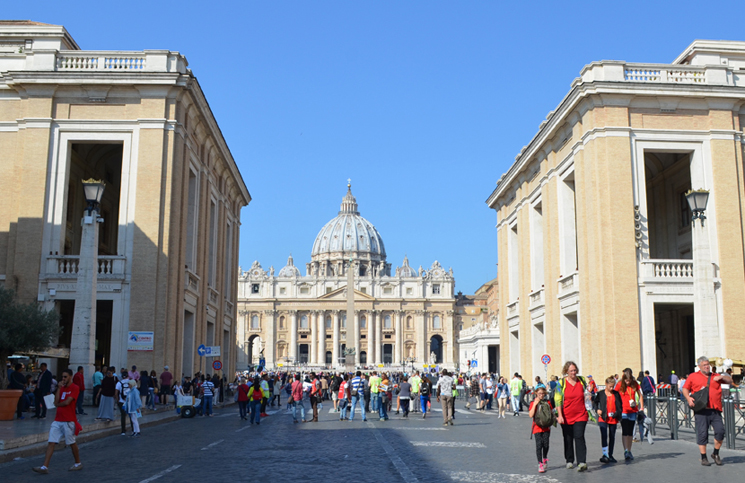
[
  {"x": 474, "y": 363},
  {"x": 545, "y": 359},
  {"x": 217, "y": 365},
  {"x": 201, "y": 350},
  {"x": 209, "y": 350}
]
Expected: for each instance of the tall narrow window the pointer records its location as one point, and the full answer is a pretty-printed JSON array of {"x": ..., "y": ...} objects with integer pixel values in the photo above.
[
  {"x": 363, "y": 322},
  {"x": 568, "y": 225},
  {"x": 513, "y": 267},
  {"x": 212, "y": 241},
  {"x": 254, "y": 321},
  {"x": 536, "y": 246},
  {"x": 282, "y": 322},
  {"x": 343, "y": 321},
  {"x": 304, "y": 322},
  {"x": 387, "y": 323},
  {"x": 228, "y": 262},
  {"x": 191, "y": 222},
  {"x": 436, "y": 322}
]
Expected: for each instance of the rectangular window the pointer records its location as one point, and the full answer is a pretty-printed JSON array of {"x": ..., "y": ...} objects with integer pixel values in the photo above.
[
  {"x": 513, "y": 260},
  {"x": 536, "y": 246},
  {"x": 363, "y": 289},
  {"x": 212, "y": 241},
  {"x": 436, "y": 289},
  {"x": 228, "y": 287},
  {"x": 329, "y": 289},
  {"x": 254, "y": 288},
  {"x": 191, "y": 222},
  {"x": 304, "y": 290},
  {"x": 409, "y": 291},
  {"x": 567, "y": 225},
  {"x": 282, "y": 290},
  {"x": 388, "y": 290}
]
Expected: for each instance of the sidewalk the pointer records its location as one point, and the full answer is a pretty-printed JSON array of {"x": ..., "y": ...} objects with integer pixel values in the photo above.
[{"x": 22, "y": 438}]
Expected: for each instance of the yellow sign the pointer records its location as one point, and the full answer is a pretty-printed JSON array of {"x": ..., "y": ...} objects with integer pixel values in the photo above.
[
  {"x": 425, "y": 366},
  {"x": 280, "y": 365},
  {"x": 380, "y": 365}
]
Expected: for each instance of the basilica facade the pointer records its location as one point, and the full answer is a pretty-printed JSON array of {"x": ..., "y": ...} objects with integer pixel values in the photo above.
[{"x": 401, "y": 319}]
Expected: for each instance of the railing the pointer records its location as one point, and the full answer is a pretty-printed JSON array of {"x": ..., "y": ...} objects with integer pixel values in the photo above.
[
  {"x": 191, "y": 282},
  {"x": 690, "y": 75},
  {"x": 214, "y": 297},
  {"x": 614, "y": 71},
  {"x": 568, "y": 284},
  {"x": 98, "y": 61},
  {"x": 68, "y": 266},
  {"x": 87, "y": 61},
  {"x": 512, "y": 309},
  {"x": 536, "y": 299},
  {"x": 668, "y": 269}
]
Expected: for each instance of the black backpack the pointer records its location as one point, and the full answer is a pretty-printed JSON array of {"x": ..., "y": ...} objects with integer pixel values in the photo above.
[{"x": 424, "y": 389}]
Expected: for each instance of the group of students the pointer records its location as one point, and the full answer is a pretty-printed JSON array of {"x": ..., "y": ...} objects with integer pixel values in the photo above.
[{"x": 620, "y": 402}]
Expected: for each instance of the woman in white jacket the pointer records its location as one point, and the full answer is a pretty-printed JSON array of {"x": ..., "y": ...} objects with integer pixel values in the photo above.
[{"x": 132, "y": 406}]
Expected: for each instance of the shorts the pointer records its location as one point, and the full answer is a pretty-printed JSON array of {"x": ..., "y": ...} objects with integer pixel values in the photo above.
[
  {"x": 61, "y": 430},
  {"x": 484, "y": 396},
  {"x": 704, "y": 419},
  {"x": 335, "y": 395}
]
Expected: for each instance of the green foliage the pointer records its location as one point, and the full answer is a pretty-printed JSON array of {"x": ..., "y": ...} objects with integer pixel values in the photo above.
[{"x": 24, "y": 327}]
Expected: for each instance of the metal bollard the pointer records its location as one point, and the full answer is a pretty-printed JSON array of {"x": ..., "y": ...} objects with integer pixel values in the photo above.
[
  {"x": 672, "y": 416},
  {"x": 729, "y": 421},
  {"x": 651, "y": 404}
]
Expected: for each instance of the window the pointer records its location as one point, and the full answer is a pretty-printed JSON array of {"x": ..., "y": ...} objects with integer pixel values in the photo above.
[
  {"x": 409, "y": 291},
  {"x": 363, "y": 322},
  {"x": 388, "y": 290},
  {"x": 254, "y": 288},
  {"x": 228, "y": 282},
  {"x": 387, "y": 323},
  {"x": 408, "y": 322},
  {"x": 343, "y": 321},
  {"x": 304, "y": 322},
  {"x": 212, "y": 253},
  {"x": 282, "y": 322},
  {"x": 363, "y": 289},
  {"x": 436, "y": 322},
  {"x": 254, "y": 321},
  {"x": 436, "y": 289},
  {"x": 282, "y": 290},
  {"x": 304, "y": 290},
  {"x": 328, "y": 289},
  {"x": 328, "y": 322}
]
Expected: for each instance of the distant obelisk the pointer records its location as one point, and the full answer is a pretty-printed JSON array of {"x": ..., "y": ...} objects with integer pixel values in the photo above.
[{"x": 350, "y": 359}]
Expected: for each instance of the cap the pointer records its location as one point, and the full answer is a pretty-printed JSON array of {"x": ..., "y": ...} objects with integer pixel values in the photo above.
[
  {"x": 590, "y": 375},
  {"x": 166, "y": 368}
]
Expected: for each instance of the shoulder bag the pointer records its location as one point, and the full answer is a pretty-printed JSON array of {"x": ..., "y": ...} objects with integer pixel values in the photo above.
[{"x": 701, "y": 397}]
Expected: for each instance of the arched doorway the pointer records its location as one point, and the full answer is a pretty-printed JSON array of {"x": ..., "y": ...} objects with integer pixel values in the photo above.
[
  {"x": 329, "y": 358},
  {"x": 303, "y": 353},
  {"x": 253, "y": 348},
  {"x": 435, "y": 350}
]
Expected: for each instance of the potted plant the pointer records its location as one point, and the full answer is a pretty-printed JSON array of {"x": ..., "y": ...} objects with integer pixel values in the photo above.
[{"x": 23, "y": 327}]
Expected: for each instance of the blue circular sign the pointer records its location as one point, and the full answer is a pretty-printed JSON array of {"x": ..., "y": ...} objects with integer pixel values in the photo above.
[
  {"x": 217, "y": 365},
  {"x": 545, "y": 359}
]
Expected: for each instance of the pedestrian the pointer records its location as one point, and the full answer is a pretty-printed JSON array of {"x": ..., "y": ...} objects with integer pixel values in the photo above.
[
  {"x": 367, "y": 391},
  {"x": 288, "y": 394},
  {"x": 709, "y": 414},
  {"x": 121, "y": 393},
  {"x": 65, "y": 423},
  {"x": 610, "y": 406},
  {"x": 541, "y": 412},
  {"x": 673, "y": 378},
  {"x": 489, "y": 384},
  {"x": 648, "y": 386},
  {"x": 265, "y": 389},
  {"x": 516, "y": 386},
  {"x": 106, "y": 395},
  {"x": 242, "y": 398},
  {"x": 356, "y": 392},
  {"x": 445, "y": 394},
  {"x": 297, "y": 399},
  {"x": 384, "y": 389},
  {"x": 503, "y": 392},
  {"x": 255, "y": 397},
  {"x": 18, "y": 381},
  {"x": 404, "y": 395},
  {"x": 425, "y": 389},
  {"x": 632, "y": 400},
  {"x": 97, "y": 378},
  {"x": 79, "y": 380},
  {"x": 132, "y": 406},
  {"x": 43, "y": 388},
  {"x": 342, "y": 397},
  {"x": 416, "y": 381},
  {"x": 523, "y": 392},
  {"x": 208, "y": 394},
  {"x": 134, "y": 374},
  {"x": 165, "y": 385},
  {"x": 539, "y": 382},
  {"x": 277, "y": 392},
  {"x": 334, "y": 386},
  {"x": 572, "y": 415},
  {"x": 316, "y": 395}
]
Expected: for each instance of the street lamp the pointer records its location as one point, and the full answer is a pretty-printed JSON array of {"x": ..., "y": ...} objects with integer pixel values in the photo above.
[
  {"x": 93, "y": 191},
  {"x": 697, "y": 201}
]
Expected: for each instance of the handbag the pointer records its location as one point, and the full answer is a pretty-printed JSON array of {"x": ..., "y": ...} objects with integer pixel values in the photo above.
[{"x": 701, "y": 397}]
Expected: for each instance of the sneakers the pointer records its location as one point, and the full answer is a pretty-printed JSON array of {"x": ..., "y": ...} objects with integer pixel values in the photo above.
[
  {"x": 444, "y": 424},
  {"x": 452, "y": 423},
  {"x": 626, "y": 455},
  {"x": 78, "y": 466},
  {"x": 582, "y": 467},
  {"x": 604, "y": 459},
  {"x": 717, "y": 459},
  {"x": 612, "y": 459},
  {"x": 424, "y": 415},
  {"x": 704, "y": 462},
  {"x": 41, "y": 469},
  {"x": 570, "y": 466},
  {"x": 545, "y": 462},
  {"x": 541, "y": 468},
  {"x": 631, "y": 456}
]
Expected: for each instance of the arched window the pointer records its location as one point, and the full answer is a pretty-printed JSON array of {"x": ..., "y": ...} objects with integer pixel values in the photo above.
[
  {"x": 282, "y": 322},
  {"x": 408, "y": 322},
  {"x": 304, "y": 322},
  {"x": 436, "y": 323},
  {"x": 387, "y": 324},
  {"x": 254, "y": 321},
  {"x": 328, "y": 322},
  {"x": 363, "y": 357},
  {"x": 344, "y": 321},
  {"x": 363, "y": 322}
]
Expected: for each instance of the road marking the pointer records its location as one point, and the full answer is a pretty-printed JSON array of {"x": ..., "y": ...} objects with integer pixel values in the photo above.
[
  {"x": 416, "y": 429},
  {"x": 477, "y": 477},
  {"x": 213, "y": 444},
  {"x": 272, "y": 412},
  {"x": 239, "y": 430},
  {"x": 403, "y": 470},
  {"x": 158, "y": 475},
  {"x": 448, "y": 444}
]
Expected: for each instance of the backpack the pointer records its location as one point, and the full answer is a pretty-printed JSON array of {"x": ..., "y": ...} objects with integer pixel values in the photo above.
[
  {"x": 544, "y": 416},
  {"x": 257, "y": 392},
  {"x": 424, "y": 389}
]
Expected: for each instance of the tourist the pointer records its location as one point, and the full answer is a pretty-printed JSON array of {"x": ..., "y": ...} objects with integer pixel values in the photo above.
[
  {"x": 242, "y": 398},
  {"x": 632, "y": 400},
  {"x": 316, "y": 395},
  {"x": 503, "y": 392},
  {"x": 165, "y": 385},
  {"x": 18, "y": 382},
  {"x": 516, "y": 386},
  {"x": 444, "y": 392},
  {"x": 105, "y": 396},
  {"x": 97, "y": 379},
  {"x": 609, "y": 406},
  {"x": 121, "y": 393},
  {"x": 541, "y": 426},
  {"x": 648, "y": 386},
  {"x": 342, "y": 398},
  {"x": 297, "y": 400},
  {"x": 572, "y": 415},
  {"x": 416, "y": 381},
  {"x": 255, "y": 397},
  {"x": 425, "y": 389},
  {"x": 384, "y": 396},
  {"x": 43, "y": 388},
  {"x": 404, "y": 395},
  {"x": 65, "y": 423},
  {"x": 711, "y": 414},
  {"x": 208, "y": 394},
  {"x": 132, "y": 406}
]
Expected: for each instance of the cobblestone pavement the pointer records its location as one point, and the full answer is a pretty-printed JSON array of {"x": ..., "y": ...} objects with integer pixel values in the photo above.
[{"x": 479, "y": 448}]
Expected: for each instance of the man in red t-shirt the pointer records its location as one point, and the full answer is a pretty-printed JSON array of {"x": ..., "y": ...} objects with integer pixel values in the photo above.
[
  {"x": 711, "y": 415},
  {"x": 64, "y": 422},
  {"x": 79, "y": 380}
]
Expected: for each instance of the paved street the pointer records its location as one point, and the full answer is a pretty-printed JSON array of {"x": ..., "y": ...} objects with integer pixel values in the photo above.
[{"x": 479, "y": 448}]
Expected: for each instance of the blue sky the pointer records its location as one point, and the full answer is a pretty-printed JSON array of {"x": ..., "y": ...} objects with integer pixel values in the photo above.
[{"x": 422, "y": 104}]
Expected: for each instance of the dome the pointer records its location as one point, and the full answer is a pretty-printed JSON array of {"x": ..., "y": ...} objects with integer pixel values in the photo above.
[
  {"x": 348, "y": 235},
  {"x": 289, "y": 270},
  {"x": 406, "y": 270}
]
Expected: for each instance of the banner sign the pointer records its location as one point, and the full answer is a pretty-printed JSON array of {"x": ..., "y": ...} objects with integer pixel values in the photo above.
[{"x": 140, "y": 341}]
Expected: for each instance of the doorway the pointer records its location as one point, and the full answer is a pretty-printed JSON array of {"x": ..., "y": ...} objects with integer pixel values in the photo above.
[{"x": 675, "y": 340}]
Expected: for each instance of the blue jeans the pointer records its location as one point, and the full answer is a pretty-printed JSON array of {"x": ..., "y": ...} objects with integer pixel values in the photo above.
[
  {"x": 382, "y": 408},
  {"x": 343, "y": 406},
  {"x": 256, "y": 411},
  {"x": 207, "y": 405},
  {"x": 151, "y": 398},
  {"x": 424, "y": 400},
  {"x": 294, "y": 410},
  {"x": 242, "y": 408},
  {"x": 515, "y": 404},
  {"x": 358, "y": 400},
  {"x": 375, "y": 401}
]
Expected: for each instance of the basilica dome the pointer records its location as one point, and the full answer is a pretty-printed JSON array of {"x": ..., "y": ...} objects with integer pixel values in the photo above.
[{"x": 348, "y": 235}]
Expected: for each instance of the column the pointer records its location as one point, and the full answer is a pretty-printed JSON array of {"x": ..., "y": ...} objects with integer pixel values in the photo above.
[
  {"x": 379, "y": 337},
  {"x": 355, "y": 342},
  {"x": 271, "y": 338},
  {"x": 420, "y": 322},
  {"x": 292, "y": 350},
  {"x": 371, "y": 345},
  {"x": 706, "y": 326},
  {"x": 398, "y": 351},
  {"x": 449, "y": 343},
  {"x": 335, "y": 342},
  {"x": 312, "y": 320},
  {"x": 322, "y": 338}
]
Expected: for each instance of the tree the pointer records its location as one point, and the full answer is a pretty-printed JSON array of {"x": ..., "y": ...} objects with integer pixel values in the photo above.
[{"x": 23, "y": 328}]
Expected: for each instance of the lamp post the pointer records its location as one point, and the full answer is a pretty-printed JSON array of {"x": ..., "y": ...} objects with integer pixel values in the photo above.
[
  {"x": 83, "y": 340},
  {"x": 706, "y": 325}
]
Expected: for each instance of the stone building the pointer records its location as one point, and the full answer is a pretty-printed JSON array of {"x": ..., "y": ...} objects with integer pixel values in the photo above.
[
  {"x": 477, "y": 329},
  {"x": 302, "y": 320},
  {"x": 168, "y": 240},
  {"x": 600, "y": 261}
]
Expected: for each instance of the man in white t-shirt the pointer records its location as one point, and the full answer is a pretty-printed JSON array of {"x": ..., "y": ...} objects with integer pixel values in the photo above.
[{"x": 120, "y": 396}]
